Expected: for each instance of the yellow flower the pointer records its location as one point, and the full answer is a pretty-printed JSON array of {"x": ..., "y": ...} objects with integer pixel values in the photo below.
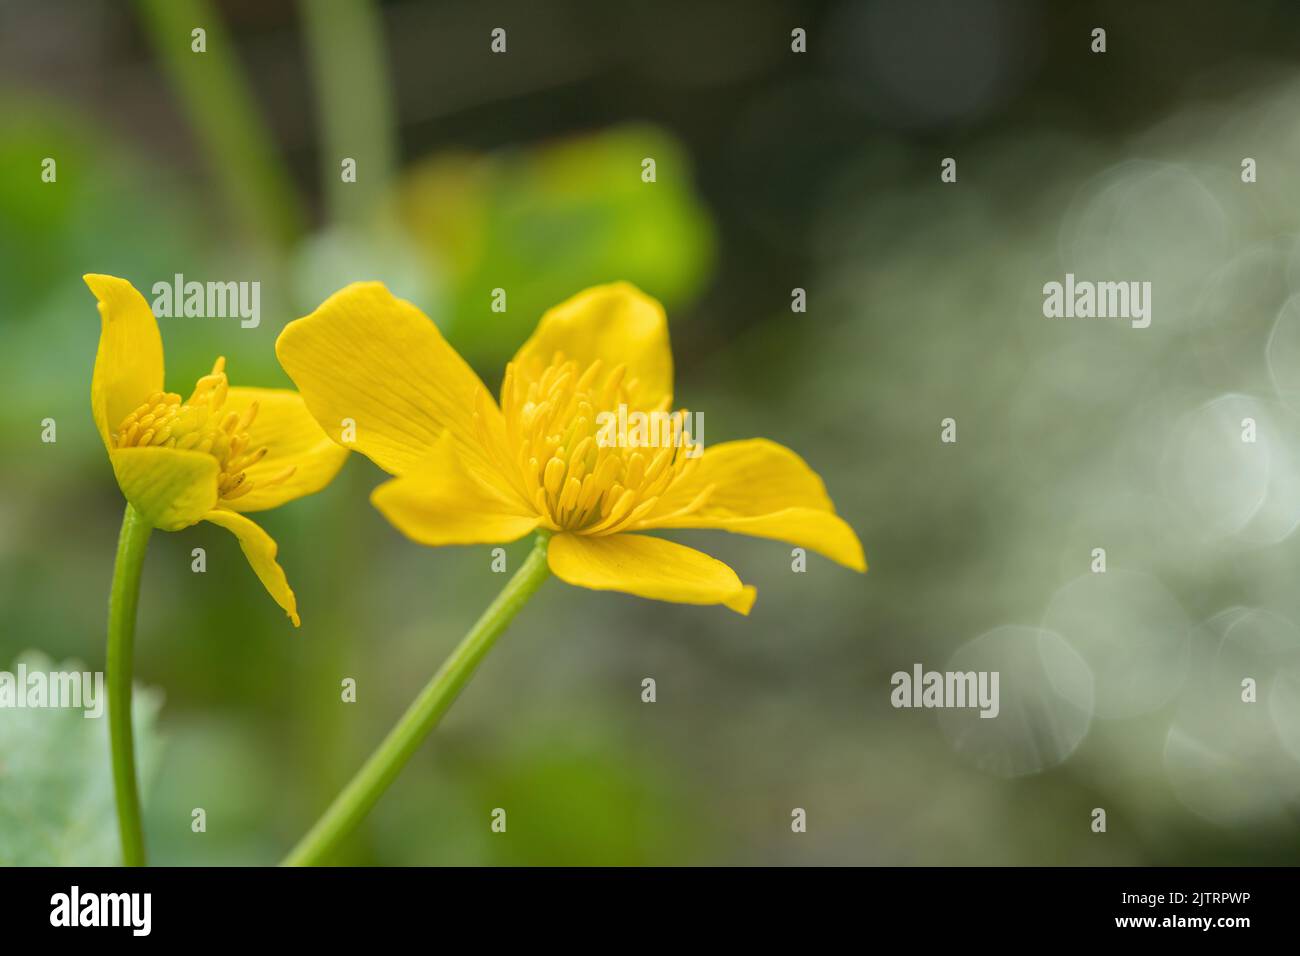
[
  {"x": 213, "y": 457},
  {"x": 470, "y": 471}
]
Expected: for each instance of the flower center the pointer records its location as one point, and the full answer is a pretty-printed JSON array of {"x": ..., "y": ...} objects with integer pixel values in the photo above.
[
  {"x": 579, "y": 468},
  {"x": 197, "y": 424}
]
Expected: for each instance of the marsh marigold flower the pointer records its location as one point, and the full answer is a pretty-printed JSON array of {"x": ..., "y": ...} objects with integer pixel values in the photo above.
[
  {"x": 470, "y": 470},
  {"x": 216, "y": 456}
]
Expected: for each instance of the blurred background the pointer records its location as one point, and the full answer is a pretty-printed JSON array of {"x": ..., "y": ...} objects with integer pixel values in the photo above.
[{"x": 775, "y": 170}]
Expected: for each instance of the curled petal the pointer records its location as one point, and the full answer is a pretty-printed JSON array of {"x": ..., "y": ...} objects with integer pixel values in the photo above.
[
  {"x": 759, "y": 488},
  {"x": 129, "y": 363},
  {"x": 648, "y": 567},
  {"x": 820, "y": 531},
  {"x": 260, "y": 549}
]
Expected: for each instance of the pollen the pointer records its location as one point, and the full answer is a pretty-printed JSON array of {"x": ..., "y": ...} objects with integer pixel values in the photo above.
[
  {"x": 572, "y": 461},
  {"x": 201, "y": 423}
]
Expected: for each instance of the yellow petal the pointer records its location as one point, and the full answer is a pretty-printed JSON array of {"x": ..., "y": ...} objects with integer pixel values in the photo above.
[
  {"x": 750, "y": 477},
  {"x": 171, "y": 489},
  {"x": 437, "y": 502},
  {"x": 292, "y": 439},
  {"x": 377, "y": 361},
  {"x": 617, "y": 323},
  {"x": 648, "y": 567},
  {"x": 760, "y": 488},
  {"x": 259, "y": 548},
  {"x": 820, "y": 531},
  {"x": 129, "y": 363}
]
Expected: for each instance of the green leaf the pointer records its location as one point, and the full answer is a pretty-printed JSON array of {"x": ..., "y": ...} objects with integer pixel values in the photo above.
[{"x": 546, "y": 222}]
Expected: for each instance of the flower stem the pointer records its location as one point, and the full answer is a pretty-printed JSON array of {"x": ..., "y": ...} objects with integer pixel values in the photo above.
[
  {"x": 354, "y": 97},
  {"x": 220, "y": 103},
  {"x": 365, "y": 789},
  {"x": 122, "y": 601}
]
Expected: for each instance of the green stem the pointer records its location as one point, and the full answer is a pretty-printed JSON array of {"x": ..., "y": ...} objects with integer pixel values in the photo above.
[
  {"x": 220, "y": 103},
  {"x": 365, "y": 789},
  {"x": 345, "y": 47},
  {"x": 122, "y": 601}
]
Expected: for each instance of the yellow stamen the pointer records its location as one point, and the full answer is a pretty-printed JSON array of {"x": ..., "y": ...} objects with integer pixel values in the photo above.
[
  {"x": 197, "y": 424},
  {"x": 557, "y": 447}
]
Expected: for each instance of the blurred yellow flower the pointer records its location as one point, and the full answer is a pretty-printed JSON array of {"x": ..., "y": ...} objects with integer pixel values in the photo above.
[
  {"x": 213, "y": 457},
  {"x": 472, "y": 471}
]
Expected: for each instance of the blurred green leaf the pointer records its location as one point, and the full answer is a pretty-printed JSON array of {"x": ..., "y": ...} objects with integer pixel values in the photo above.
[
  {"x": 56, "y": 784},
  {"x": 577, "y": 791},
  {"x": 545, "y": 222},
  {"x": 105, "y": 212}
]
